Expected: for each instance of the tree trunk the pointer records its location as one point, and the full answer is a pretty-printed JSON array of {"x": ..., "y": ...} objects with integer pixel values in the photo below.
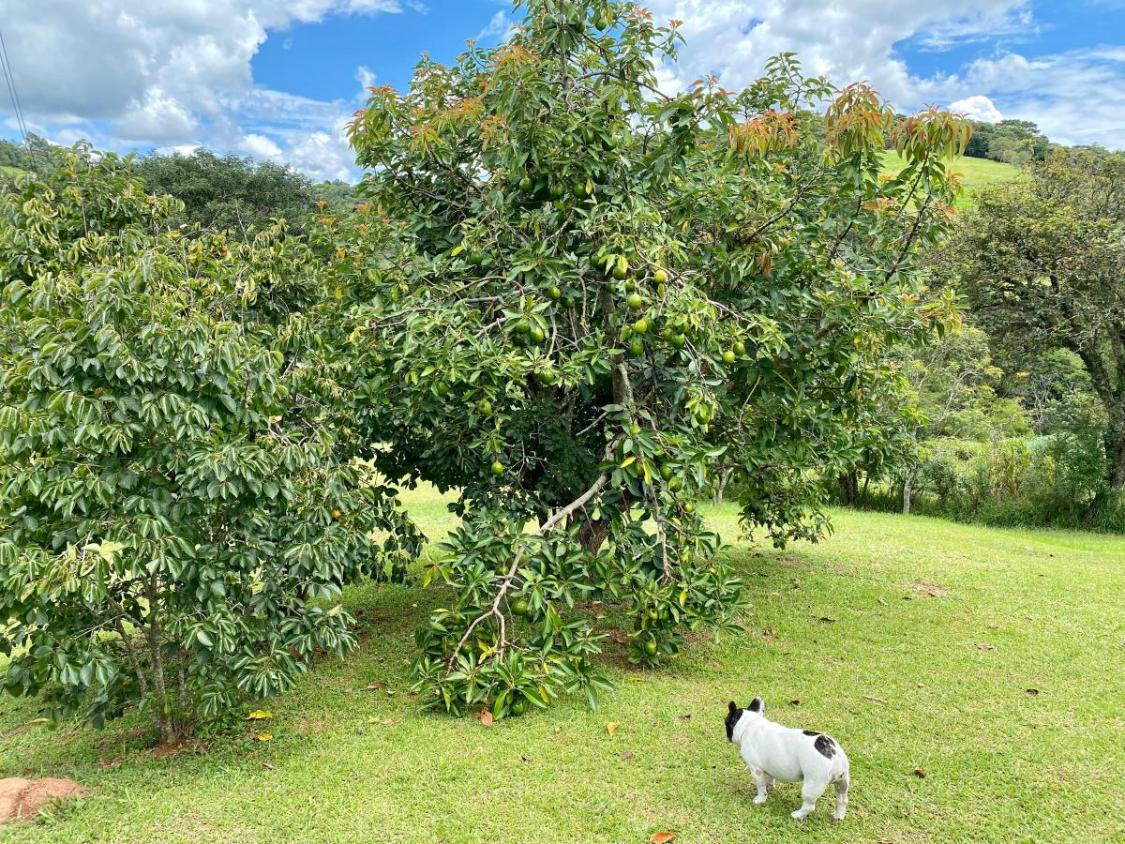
[
  {"x": 721, "y": 489},
  {"x": 160, "y": 717},
  {"x": 1115, "y": 450},
  {"x": 907, "y": 490},
  {"x": 849, "y": 488},
  {"x": 592, "y": 534}
]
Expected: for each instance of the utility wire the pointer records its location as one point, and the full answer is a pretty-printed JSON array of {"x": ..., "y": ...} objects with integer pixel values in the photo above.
[{"x": 10, "y": 80}]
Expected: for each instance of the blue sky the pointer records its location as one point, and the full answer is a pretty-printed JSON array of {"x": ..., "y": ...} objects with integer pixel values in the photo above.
[{"x": 278, "y": 79}]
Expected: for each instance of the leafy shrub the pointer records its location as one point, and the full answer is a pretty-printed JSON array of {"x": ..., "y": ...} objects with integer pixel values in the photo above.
[{"x": 176, "y": 518}]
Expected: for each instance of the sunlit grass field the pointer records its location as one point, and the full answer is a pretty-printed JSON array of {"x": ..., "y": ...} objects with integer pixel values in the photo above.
[
  {"x": 974, "y": 173},
  {"x": 986, "y": 660}
]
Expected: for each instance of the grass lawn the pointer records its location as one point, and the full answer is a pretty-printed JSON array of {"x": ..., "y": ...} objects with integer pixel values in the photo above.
[
  {"x": 975, "y": 173},
  {"x": 840, "y": 637}
]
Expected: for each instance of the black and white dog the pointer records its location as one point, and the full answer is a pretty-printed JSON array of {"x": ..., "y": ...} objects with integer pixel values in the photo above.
[{"x": 773, "y": 752}]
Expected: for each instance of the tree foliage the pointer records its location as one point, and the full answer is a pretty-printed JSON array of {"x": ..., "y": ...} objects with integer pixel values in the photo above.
[
  {"x": 177, "y": 511},
  {"x": 601, "y": 293},
  {"x": 227, "y": 193},
  {"x": 1042, "y": 262},
  {"x": 1017, "y": 142}
]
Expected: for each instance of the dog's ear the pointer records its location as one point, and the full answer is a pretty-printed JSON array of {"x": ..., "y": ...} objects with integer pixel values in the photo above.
[
  {"x": 732, "y": 707},
  {"x": 756, "y": 705}
]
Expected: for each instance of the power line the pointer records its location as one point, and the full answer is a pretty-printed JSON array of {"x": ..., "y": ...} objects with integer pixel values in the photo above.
[{"x": 10, "y": 79}]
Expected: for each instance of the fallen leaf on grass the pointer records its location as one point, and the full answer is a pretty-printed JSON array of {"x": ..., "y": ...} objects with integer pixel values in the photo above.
[
  {"x": 485, "y": 717},
  {"x": 266, "y": 766},
  {"x": 828, "y": 619},
  {"x": 378, "y": 684},
  {"x": 685, "y": 716},
  {"x": 611, "y": 727},
  {"x": 1032, "y": 692},
  {"x": 264, "y": 737},
  {"x": 259, "y": 715},
  {"x": 662, "y": 837},
  {"x": 920, "y": 772},
  {"x": 626, "y": 756},
  {"x": 983, "y": 646}
]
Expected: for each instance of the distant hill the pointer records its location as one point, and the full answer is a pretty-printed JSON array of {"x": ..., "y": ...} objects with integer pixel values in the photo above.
[{"x": 975, "y": 172}]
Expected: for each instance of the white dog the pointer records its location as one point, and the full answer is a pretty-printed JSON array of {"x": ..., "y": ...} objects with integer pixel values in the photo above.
[{"x": 773, "y": 752}]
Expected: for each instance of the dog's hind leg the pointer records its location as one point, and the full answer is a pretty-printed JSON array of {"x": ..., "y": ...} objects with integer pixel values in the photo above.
[
  {"x": 841, "y": 797},
  {"x": 810, "y": 791},
  {"x": 763, "y": 781}
]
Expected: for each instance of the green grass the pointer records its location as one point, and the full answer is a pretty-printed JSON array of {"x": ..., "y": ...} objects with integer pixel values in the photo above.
[
  {"x": 975, "y": 172},
  {"x": 899, "y": 677},
  {"x": 10, "y": 171}
]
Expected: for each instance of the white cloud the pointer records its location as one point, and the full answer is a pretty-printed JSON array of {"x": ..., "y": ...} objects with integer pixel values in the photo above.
[
  {"x": 162, "y": 73},
  {"x": 977, "y": 107},
  {"x": 1075, "y": 97},
  {"x": 159, "y": 118},
  {"x": 178, "y": 149},
  {"x": 325, "y": 155},
  {"x": 259, "y": 146},
  {"x": 496, "y": 27},
  {"x": 177, "y": 73},
  {"x": 366, "y": 79}
]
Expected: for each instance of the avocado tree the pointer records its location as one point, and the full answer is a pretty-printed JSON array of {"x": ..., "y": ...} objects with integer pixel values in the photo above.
[
  {"x": 602, "y": 294},
  {"x": 177, "y": 510}
]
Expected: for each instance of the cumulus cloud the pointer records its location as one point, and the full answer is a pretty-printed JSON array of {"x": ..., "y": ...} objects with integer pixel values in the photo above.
[
  {"x": 159, "y": 118},
  {"x": 259, "y": 146},
  {"x": 978, "y": 107},
  {"x": 177, "y": 73},
  {"x": 1075, "y": 97},
  {"x": 168, "y": 73},
  {"x": 496, "y": 27}
]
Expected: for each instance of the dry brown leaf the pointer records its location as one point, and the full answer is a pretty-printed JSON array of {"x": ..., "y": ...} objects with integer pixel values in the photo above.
[
  {"x": 611, "y": 727},
  {"x": 983, "y": 646},
  {"x": 920, "y": 772},
  {"x": 378, "y": 684},
  {"x": 266, "y": 766},
  {"x": 662, "y": 837},
  {"x": 626, "y": 756},
  {"x": 795, "y": 702},
  {"x": 486, "y": 717},
  {"x": 1032, "y": 692}
]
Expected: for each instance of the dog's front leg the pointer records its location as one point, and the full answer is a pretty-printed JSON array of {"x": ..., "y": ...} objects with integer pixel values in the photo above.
[{"x": 763, "y": 781}]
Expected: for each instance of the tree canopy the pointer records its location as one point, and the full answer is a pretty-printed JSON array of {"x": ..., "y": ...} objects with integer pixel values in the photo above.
[
  {"x": 178, "y": 513},
  {"x": 228, "y": 193},
  {"x": 601, "y": 293},
  {"x": 1042, "y": 263}
]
